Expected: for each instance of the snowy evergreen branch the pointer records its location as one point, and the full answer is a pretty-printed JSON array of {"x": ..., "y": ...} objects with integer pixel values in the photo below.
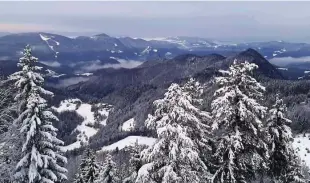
[
  {"x": 237, "y": 117},
  {"x": 108, "y": 173},
  {"x": 183, "y": 136},
  {"x": 283, "y": 162},
  {"x": 89, "y": 169}
]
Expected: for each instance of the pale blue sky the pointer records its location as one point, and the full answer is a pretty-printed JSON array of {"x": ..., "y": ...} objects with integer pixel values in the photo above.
[{"x": 241, "y": 21}]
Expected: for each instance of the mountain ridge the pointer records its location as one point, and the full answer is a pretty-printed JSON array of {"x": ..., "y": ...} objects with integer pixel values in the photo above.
[
  {"x": 166, "y": 71},
  {"x": 54, "y": 47}
]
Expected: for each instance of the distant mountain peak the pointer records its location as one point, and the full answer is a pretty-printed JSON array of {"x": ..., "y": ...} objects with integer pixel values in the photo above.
[
  {"x": 251, "y": 52},
  {"x": 253, "y": 56},
  {"x": 220, "y": 57},
  {"x": 185, "y": 57},
  {"x": 102, "y": 35}
]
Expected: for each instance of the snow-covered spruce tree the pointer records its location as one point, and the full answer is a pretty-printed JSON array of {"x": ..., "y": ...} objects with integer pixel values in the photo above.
[
  {"x": 79, "y": 178},
  {"x": 176, "y": 156},
  {"x": 283, "y": 162},
  {"x": 240, "y": 150},
  {"x": 42, "y": 161},
  {"x": 294, "y": 172},
  {"x": 7, "y": 107},
  {"x": 10, "y": 143},
  {"x": 88, "y": 170},
  {"x": 196, "y": 90},
  {"x": 134, "y": 162},
  {"x": 108, "y": 173},
  {"x": 26, "y": 78}
]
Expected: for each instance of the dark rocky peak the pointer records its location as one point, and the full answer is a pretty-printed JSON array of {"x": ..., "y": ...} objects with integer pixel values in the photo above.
[
  {"x": 185, "y": 57},
  {"x": 82, "y": 38},
  {"x": 252, "y": 56},
  {"x": 264, "y": 66},
  {"x": 190, "y": 58},
  {"x": 251, "y": 53},
  {"x": 103, "y": 35},
  {"x": 216, "y": 56}
]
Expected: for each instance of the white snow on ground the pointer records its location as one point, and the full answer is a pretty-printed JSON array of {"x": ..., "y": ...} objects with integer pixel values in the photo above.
[
  {"x": 67, "y": 105},
  {"x": 146, "y": 50},
  {"x": 155, "y": 50},
  {"x": 285, "y": 69},
  {"x": 58, "y": 76},
  {"x": 301, "y": 145},
  {"x": 51, "y": 63},
  {"x": 1, "y": 146},
  {"x": 182, "y": 43},
  {"x": 53, "y": 74},
  {"x": 72, "y": 146},
  {"x": 85, "y": 74},
  {"x": 306, "y": 72},
  {"x": 275, "y": 53},
  {"x": 129, "y": 141},
  {"x": 104, "y": 112},
  {"x": 115, "y": 44},
  {"x": 128, "y": 125},
  {"x": 85, "y": 111},
  {"x": 174, "y": 40},
  {"x": 185, "y": 44},
  {"x": 46, "y": 39},
  {"x": 168, "y": 54},
  {"x": 85, "y": 129},
  {"x": 154, "y": 39}
]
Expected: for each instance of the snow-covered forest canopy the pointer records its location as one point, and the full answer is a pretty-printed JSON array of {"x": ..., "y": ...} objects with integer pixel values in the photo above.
[{"x": 218, "y": 131}]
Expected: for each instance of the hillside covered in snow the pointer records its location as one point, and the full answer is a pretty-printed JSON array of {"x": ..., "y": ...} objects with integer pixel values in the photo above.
[
  {"x": 301, "y": 145},
  {"x": 91, "y": 122}
]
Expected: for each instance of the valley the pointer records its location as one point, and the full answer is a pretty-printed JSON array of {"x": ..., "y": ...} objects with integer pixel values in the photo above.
[
  {"x": 102, "y": 102},
  {"x": 154, "y": 92}
]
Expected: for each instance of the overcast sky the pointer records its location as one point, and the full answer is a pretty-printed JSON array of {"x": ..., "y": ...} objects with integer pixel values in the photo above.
[{"x": 227, "y": 21}]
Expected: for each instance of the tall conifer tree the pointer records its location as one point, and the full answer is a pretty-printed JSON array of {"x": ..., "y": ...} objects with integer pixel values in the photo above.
[
  {"x": 42, "y": 160},
  {"x": 237, "y": 118}
]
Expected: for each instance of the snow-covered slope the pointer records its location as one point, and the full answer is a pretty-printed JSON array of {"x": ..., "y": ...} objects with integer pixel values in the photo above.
[
  {"x": 128, "y": 125},
  {"x": 87, "y": 129},
  {"x": 284, "y": 69},
  {"x": 275, "y": 53},
  {"x": 302, "y": 146},
  {"x": 53, "y": 74},
  {"x": 85, "y": 74},
  {"x": 129, "y": 141},
  {"x": 186, "y": 42},
  {"x": 146, "y": 50},
  {"x": 47, "y": 40}
]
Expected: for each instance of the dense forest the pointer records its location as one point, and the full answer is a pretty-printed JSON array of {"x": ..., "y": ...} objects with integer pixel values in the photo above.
[{"x": 230, "y": 125}]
